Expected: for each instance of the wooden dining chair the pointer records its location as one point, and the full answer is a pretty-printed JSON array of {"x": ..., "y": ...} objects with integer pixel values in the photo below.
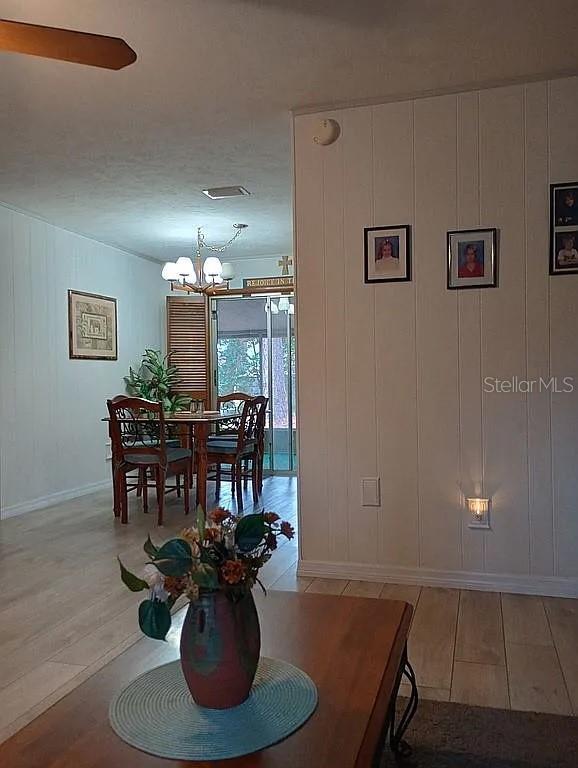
[
  {"x": 244, "y": 449},
  {"x": 139, "y": 442},
  {"x": 261, "y": 419},
  {"x": 230, "y": 404},
  {"x": 233, "y": 403}
]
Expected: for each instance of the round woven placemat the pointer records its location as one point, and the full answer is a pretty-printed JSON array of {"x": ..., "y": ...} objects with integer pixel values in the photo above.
[{"x": 156, "y": 714}]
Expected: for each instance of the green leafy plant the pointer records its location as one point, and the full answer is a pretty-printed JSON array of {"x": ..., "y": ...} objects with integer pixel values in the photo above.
[
  {"x": 222, "y": 553},
  {"x": 156, "y": 380}
]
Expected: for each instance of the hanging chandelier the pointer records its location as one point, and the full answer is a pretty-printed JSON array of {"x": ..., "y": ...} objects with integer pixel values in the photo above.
[{"x": 208, "y": 277}]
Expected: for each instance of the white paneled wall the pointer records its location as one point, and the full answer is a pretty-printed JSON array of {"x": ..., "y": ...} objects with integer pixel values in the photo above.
[
  {"x": 391, "y": 375},
  {"x": 52, "y": 442}
]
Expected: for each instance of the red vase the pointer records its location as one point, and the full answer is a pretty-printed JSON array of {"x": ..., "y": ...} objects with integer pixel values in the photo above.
[{"x": 220, "y": 646}]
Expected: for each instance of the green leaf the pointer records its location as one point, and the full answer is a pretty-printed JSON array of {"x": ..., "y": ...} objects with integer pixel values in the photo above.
[
  {"x": 154, "y": 618},
  {"x": 201, "y": 522},
  {"x": 174, "y": 558},
  {"x": 134, "y": 583},
  {"x": 150, "y": 548},
  {"x": 178, "y": 548},
  {"x": 250, "y": 532},
  {"x": 205, "y": 576}
]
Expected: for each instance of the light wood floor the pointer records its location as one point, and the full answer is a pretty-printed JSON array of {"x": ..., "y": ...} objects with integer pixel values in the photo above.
[{"x": 64, "y": 614}]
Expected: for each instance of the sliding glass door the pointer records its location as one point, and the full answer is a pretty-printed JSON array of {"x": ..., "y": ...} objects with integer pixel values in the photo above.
[{"x": 254, "y": 352}]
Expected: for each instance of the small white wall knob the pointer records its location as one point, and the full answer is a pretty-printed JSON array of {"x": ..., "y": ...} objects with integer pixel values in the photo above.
[{"x": 327, "y": 131}]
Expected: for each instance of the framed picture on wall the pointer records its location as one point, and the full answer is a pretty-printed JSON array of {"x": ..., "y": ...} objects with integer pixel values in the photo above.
[
  {"x": 472, "y": 258},
  {"x": 91, "y": 326},
  {"x": 564, "y": 229},
  {"x": 387, "y": 253}
]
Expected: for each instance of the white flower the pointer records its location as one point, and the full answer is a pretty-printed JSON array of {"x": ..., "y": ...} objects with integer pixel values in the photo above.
[
  {"x": 158, "y": 592},
  {"x": 156, "y": 581},
  {"x": 153, "y": 576}
]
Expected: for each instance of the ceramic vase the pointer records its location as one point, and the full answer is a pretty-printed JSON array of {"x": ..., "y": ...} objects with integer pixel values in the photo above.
[{"x": 220, "y": 646}]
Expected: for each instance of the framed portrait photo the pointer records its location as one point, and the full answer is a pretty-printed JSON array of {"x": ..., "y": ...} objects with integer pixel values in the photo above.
[
  {"x": 387, "y": 253},
  {"x": 91, "y": 326},
  {"x": 473, "y": 258},
  {"x": 564, "y": 229}
]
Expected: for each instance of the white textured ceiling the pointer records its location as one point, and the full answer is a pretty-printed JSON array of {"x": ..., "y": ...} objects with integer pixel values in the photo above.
[{"x": 123, "y": 156}]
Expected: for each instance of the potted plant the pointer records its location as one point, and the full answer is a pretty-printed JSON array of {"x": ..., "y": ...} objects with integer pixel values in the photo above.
[
  {"x": 215, "y": 564},
  {"x": 156, "y": 380}
]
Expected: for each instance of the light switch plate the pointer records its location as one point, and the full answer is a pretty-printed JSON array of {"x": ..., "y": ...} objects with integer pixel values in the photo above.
[{"x": 370, "y": 492}]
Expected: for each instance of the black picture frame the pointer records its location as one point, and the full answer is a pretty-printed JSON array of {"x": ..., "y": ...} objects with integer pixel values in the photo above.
[
  {"x": 101, "y": 307},
  {"x": 489, "y": 235},
  {"x": 401, "y": 233},
  {"x": 563, "y": 226}
]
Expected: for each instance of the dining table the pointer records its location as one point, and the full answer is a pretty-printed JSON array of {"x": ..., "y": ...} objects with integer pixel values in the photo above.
[{"x": 198, "y": 427}]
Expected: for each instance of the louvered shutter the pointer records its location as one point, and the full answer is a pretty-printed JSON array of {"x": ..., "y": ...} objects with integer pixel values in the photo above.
[{"x": 188, "y": 344}]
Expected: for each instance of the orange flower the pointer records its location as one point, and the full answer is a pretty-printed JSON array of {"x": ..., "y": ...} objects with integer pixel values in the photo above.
[
  {"x": 287, "y": 529},
  {"x": 271, "y": 517},
  {"x": 175, "y": 585},
  {"x": 219, "y": 515},
  {"x": 233, "y": 571},
  {"x": 212, "y": 534}
]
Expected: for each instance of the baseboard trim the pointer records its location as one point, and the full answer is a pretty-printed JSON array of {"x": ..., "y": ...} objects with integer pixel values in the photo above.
[
  {"x": 550, "y": 586},
  {"x": 54, "y": 498}
]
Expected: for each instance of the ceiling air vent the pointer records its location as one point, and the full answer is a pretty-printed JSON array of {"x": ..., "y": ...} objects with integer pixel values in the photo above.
[{"x": 220, "y": 193}]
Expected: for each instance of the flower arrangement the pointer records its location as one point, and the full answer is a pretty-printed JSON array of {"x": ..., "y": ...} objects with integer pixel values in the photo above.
[{"x": 223, "y": 552}]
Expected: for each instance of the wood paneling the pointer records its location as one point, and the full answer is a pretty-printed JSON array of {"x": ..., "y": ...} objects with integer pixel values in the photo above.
[
  {"x": 537, "y": 328},
  {"x": 503, "y": 338},
  {"x": 398, "y": 370},
  {"x": 471, "y": 469},
  {"x": 395, "y": 342},
  {"x": 334, "y": 268},
  {"x": 437, "y": 365},
  {"x": 312, "y": 381},
  {"x": 363, "y": 531},
  {"x": 563, "y": 160}
]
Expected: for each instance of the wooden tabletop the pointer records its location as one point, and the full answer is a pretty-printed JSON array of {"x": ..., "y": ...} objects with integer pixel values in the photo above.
[
  {"x": 350, "y": 646},
  {"x": 211, "y": 417}
]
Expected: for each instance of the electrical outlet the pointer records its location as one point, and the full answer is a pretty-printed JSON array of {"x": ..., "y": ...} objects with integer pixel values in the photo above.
[
  {"x": 108, "y": 450},
  {"x": 370, "y": 492}
]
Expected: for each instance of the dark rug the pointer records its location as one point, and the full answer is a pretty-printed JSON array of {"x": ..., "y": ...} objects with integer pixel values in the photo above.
[{"x": 460, "y": 736}]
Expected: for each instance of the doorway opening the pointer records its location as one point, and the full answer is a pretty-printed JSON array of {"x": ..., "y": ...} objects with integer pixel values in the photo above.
[{"x": 253, "y": 351}]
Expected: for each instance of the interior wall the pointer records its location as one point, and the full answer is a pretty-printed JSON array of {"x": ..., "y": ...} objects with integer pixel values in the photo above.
[
  {"x": 262, "y": 266},
  {"x": 390, "y": 375},
  {"x": 52, "y": 442}
]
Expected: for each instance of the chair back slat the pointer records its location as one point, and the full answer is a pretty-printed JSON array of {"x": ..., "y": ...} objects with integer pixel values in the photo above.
[
  {"x": 231, "y": 404},
  {"x": 261, "y": 417},
  {"x": 248, "y": 426}
]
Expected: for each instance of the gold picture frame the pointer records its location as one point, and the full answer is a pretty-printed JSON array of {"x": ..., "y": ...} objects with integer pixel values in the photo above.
[{"x": 92, "y": 326}]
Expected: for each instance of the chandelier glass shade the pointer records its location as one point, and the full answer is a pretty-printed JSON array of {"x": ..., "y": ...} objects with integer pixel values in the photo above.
[{"x": 208, "y": 277}]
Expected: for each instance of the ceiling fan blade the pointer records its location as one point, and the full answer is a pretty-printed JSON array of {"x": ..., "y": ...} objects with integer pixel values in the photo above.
[{"x": 66, "y": 45}]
